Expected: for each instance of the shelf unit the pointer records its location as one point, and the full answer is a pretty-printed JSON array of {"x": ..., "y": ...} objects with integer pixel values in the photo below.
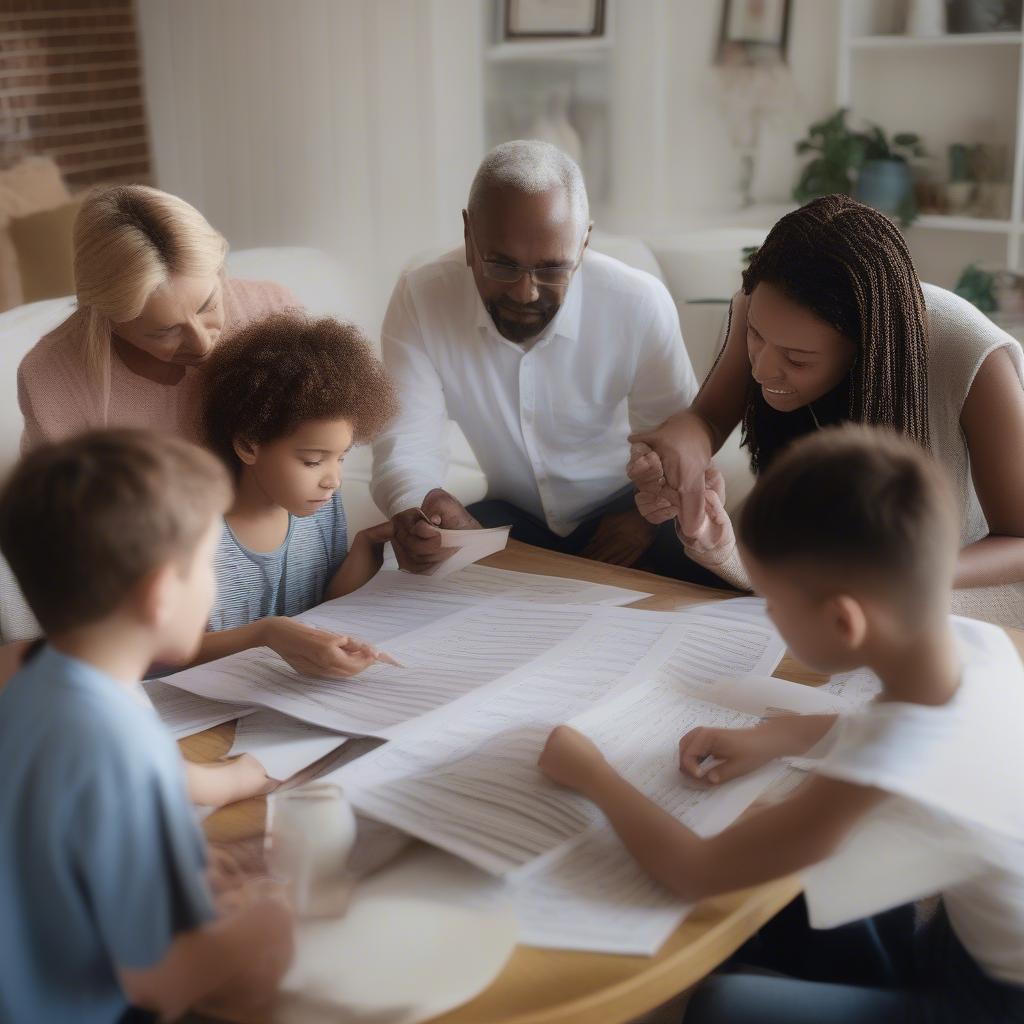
[
  {"x": 958, "y": 39},
  {"x": 538, "y": 88},
  {"x": 872, "y": 56},
  {"x": 530, "y": 51}
]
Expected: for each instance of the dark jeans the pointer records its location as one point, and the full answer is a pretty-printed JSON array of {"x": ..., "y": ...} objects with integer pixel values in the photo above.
[
  {"x": 665, "y": 556},
  {"x": 877, "y": 971}
]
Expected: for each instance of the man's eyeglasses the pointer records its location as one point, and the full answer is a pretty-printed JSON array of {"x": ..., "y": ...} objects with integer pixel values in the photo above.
[{"x": 510, "y": 273}]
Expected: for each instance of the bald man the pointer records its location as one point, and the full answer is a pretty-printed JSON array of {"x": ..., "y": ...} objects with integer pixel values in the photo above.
[{"x": 547, "y": 355}]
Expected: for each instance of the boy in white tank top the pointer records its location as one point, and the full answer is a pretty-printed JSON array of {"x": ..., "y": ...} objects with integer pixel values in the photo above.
[{"x": 851, "y": 537}]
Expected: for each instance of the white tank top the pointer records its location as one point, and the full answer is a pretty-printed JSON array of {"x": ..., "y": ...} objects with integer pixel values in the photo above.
[
  {"x": 960, "y": 339},
  {"x": 954, "y": 820}
]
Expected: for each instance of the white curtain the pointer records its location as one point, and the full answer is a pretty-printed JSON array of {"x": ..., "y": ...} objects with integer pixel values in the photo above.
[{"x": 350, "y": 125}]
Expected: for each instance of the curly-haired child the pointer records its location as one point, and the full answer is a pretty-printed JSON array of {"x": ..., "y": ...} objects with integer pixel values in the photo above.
[{"x": 284, "y": 400}]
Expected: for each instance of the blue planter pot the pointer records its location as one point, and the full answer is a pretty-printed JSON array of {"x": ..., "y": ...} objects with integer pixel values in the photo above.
[{"x": 885, "y": 184}]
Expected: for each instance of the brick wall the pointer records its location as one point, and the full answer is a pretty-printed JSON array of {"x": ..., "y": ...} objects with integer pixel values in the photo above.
[{"x": 71, "y": 88}]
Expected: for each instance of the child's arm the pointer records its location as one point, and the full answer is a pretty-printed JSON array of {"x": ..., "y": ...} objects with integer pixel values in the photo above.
[
  {"x": 310, "y": 651},
  {"x": 236, "y": 961},
  {"x": 225, "y": 782},
  {"x": 773, "y": 843},
  {"x": 362, "y": 562},
  {"x": 12, "y": 657}
]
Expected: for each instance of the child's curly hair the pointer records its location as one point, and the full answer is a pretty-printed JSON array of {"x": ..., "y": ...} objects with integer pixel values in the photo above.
[{"x": 263, "y": 382}]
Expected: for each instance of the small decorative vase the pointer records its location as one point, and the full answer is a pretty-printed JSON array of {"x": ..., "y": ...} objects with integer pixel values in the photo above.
[
  {"x": 553, "y": 124},
  {"x": 885, "y": 184},
  {"x": 959, "y": 195},
  {"x": 926, "y": 18}
]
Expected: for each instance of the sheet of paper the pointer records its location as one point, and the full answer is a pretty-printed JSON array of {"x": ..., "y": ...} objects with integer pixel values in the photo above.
[
  {"x": 856, "y": 688},
  {"x": 639, "y": 732},
  {"x": 470, "y": 784},
  {"x": 283, "y": 745},
  {"x": 468, "y": 546},
  {"x": 445, "y": 660},
  {"x": 596, "y": 898},
  {"x": 472, "y": 787},
  {"x": 396, "y": 602},
  {"x": 590, "y": 894},
  {"x": 185, "y": 713},
  {"x": 481, "y": 582},
  {"x": 766, "y": 696}
]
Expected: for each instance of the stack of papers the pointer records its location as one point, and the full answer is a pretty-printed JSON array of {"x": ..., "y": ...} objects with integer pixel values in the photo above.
[{"x": 490, "y": 661}]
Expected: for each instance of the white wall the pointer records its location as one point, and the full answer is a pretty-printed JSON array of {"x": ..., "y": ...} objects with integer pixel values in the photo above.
[
  {"x": 351, "y": 125},
  {"x": 673, "y": 156},
  {"x": 355, "y": 125}
]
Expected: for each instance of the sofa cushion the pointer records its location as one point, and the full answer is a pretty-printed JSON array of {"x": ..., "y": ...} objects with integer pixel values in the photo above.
[
  {"x": 30, "y": 185},
  {"x": 45, "y": 250}
]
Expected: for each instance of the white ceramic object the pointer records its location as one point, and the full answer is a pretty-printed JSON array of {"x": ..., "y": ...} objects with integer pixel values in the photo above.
[
  {"x": 553, "y": 125},
  {"x": 310, "y": 833},
  {"x": 926, "y": 18},
  {"x": 421, "y": 937}
]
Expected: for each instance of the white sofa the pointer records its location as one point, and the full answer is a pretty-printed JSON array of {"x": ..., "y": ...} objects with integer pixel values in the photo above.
[{"x": 710, "y": 262}]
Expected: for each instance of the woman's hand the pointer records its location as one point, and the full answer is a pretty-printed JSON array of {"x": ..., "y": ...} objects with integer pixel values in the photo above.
[
  {"x": 683, "y": 446},
  {"x": 315, "y": 652}
]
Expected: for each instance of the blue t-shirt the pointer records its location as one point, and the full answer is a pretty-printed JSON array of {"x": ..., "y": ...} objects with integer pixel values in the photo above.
[
  {"x": 293, "y": 578},
  {"x": 101, "y": 857}
]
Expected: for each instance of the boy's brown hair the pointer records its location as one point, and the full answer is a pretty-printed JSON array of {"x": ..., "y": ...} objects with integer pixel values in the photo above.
[
  {"x": 269, "y": 378},
  {"x": 83, "y": 521},
  {"x": 851, "y": 503}
]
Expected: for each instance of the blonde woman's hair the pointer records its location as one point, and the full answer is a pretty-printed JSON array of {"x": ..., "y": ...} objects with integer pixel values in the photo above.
[{"x": 129, "y": 239}]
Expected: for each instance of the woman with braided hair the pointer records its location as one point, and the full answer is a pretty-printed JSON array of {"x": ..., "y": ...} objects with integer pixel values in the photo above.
[{"x": 832, "y": 324}]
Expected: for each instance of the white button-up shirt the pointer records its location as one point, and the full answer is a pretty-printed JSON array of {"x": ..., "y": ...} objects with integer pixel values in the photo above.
[{"x": 548, "y": 423}]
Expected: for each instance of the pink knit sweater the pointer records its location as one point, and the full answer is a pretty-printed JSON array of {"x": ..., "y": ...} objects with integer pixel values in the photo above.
[{"x": 57, "y": 401}]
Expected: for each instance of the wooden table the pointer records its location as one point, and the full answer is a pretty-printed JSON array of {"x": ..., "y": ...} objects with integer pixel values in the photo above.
[{"x": 560, "y": 987}]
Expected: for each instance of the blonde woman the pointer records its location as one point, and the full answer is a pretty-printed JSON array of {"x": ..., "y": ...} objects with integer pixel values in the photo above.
[{"x": 153, "y": 301}]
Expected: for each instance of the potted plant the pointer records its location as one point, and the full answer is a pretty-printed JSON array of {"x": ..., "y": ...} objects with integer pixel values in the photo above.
[
  {"x": 884, "y": 181},
  {"x": 840, "y": 154},
  {"x": 866, "y": 164},
  {"x": 978, "y": 286}
]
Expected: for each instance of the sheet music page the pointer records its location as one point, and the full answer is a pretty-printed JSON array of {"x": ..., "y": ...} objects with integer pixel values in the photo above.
[
  {"x": 283, "y": 745},
  {"x": 595, "y": 898},
  {"x": 480, "y": 582},
  {"x": 185, "y": 713},
  {"x": 471, "y": 785},
  {"x": 441, "y": 662}
]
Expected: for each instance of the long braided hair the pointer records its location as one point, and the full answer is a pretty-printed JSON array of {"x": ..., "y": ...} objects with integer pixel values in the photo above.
[{"x": 849, "y": 265}]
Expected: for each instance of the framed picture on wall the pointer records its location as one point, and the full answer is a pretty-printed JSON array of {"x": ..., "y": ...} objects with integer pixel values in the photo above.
[
  {"x": 554, "y": 19},
  {"x": 753, "y": 32}
]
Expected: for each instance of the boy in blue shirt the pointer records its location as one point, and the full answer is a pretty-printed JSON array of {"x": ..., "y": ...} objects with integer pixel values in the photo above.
[{"x": 111, "y": 536}]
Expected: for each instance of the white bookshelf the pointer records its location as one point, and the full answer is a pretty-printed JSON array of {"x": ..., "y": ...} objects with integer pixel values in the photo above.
[
  {"x": 961, "y": 39},
  {"x": 520, "y": 75},
  {"x": 959, "y": 87},
  {"x": 532, "y": 51}
]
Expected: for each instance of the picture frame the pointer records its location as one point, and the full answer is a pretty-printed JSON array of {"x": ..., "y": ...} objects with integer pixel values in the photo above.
[
  {"x": 554, "y": 19},
  {"x": 753, "y": 32}
]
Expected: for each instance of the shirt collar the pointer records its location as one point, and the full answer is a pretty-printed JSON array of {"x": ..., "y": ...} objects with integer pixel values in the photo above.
[{"x": 566, "y": 323}]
